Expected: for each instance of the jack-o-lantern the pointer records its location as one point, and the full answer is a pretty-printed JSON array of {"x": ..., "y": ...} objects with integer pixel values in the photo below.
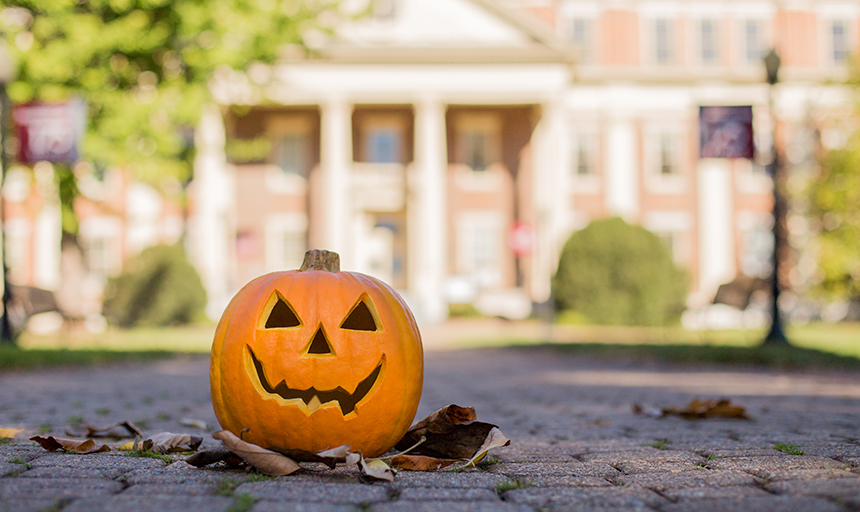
[{"x": 315, "y": 358}]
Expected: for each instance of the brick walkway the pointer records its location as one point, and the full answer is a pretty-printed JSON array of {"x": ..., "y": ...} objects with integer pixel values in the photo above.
[{"x": 577, "y": 445}]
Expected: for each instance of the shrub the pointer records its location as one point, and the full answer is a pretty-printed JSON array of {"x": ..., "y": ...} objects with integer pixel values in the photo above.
[
  {"x": 158, "y": 287},
  {"x": 619, "y": 274}
]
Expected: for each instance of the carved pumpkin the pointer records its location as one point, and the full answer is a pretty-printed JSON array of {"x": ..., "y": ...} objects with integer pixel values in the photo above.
[{"x": 314, "y": 358}]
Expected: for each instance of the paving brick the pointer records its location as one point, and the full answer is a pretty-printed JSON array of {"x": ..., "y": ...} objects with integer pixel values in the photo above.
[
  {"x": 447, "y": 494},
  {"x": 757, "y": 504},
  {"x": 66, "y": 472},
  {"x": 284, "y": 489},
  {"x": 840, "y": 488},
  {"x": 775, "y": 462},
  {"x": 734, "y": 492},
  {"x": 449, "y": 506},
  {"x": 48, "y": 488},
  {"x": 569, "y": 498},
  {"x": 297, "y": 506},
  {"x": 186, "y": 488},
  {"x": 448, "y": 479},
  {"x": 21, "y": 504},
  {"x": 701, "y": 478},
  {"x": 143, "y": 503}
]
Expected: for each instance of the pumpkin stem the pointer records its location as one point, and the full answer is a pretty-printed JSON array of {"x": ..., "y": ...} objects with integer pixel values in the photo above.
[{"x": 319, "y": 259}]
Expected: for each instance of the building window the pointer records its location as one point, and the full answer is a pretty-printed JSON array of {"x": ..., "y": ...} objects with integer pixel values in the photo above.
[
  {"x": 580, "y": 35},
  {"x": 668, "y": 154},
  {"x": 709, "y": 42},
  {"x": 290, "y": 154},
  {"x": 584, "y": 160},
  {"x": 382, "y": 145},
  {"x": 475, "y": 145},
  {"x": 479, "y": 248},
  {"x": 839, "y": 41},
  {"x": 98, "y": 256},
  {"x": 287, "y": 250},
  {"x": 753, "y": 42},
  {"x": 663, "y": 41}
]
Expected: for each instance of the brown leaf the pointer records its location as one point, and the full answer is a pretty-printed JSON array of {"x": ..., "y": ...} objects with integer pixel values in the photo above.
[
  {"x": 420, "y": 462},
  {"x": 701, "y": 409},
  {"x": 450, "y": 433},
  {"x": 266, "y": 461},
  {"x": 213, "y": 455},
  {"x": 84, "y": 429},
  {"x": 53, "y": 444},
  {"x": 165, "y": 442},
  {"x": 328, "y": 457}
]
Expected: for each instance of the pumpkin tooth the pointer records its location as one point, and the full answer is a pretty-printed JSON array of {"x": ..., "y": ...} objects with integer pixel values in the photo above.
[{"x": 314, "y": 404}]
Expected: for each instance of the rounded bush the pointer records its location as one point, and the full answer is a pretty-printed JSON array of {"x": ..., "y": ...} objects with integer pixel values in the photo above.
[
  {"x": 158, "y": 287},
  {"x": 618, "y": 274}
]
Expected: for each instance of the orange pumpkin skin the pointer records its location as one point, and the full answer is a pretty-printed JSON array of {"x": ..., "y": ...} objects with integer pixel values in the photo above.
[{"x": 249, "y": 360}]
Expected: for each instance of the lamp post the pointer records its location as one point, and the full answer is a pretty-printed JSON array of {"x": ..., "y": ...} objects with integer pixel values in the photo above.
[
  {"x": 7, "y": 74},
  {"x": 776, "y": 335}
]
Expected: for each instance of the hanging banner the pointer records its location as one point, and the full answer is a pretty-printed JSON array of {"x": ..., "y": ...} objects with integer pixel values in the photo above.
[
  {"x": 50, "y": 131},
  {"x": 726, "y": 132}
]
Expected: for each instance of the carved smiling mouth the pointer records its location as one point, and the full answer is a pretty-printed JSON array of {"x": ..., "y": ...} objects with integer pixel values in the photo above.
[{"x": 314, "y": 398}]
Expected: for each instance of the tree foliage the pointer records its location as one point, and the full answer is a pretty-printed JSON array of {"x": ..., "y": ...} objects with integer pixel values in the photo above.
[
  {"x": 158, "y": 287},
  {"x": 143, "y": 66},
  {"x": 619, "y": 274},
  {"x": 835, "y": 208}
]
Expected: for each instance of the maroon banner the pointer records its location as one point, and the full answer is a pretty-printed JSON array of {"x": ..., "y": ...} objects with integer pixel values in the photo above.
[
  {"x": 726, "y": 132},
  {"x": 50, "y": 131}
]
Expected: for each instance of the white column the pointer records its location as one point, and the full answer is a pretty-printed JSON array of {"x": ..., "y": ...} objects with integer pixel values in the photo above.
[
  {"x": 716, "y": 226},
  {"x": 48, "y": 230},
  {"x": 551, "y": 196},
  {"x": 622, "y": 177},
  {"x": 210, "y": 242},
  {"x": 429, "y": 262},
  {"x": 335, "y": 162}
]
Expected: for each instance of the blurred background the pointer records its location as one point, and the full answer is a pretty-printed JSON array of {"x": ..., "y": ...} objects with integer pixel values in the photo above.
[{"x": 566, "y": 160}]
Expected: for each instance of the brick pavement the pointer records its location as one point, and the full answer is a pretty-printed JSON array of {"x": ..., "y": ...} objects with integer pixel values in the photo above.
[{"x": 577, "y": 445}]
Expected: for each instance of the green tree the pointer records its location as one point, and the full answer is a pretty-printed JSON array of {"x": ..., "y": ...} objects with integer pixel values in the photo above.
[
  {"x": 619, "y": 274},
  {"x": 143, "y": 68},
  {"x": 156, "y": 288},
  {"x": 834, "y": 205}
]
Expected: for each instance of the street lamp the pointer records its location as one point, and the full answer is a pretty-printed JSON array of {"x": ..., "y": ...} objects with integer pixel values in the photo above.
[
  {"x": 776, "y": 335},
  {"x": 7, "y": 74}
]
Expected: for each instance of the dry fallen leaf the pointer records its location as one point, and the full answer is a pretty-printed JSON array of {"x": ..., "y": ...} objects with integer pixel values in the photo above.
[
  {"x": 266, "y": 461},
  {"x": 84, "y": 429},
  {"x": 9, "y": 433},
  {"x": 191, "y": 422},
  {"x": 450, "y": 432},
  {"x": 420, "y": 462},
  {"x": 495, "y": 439},
  {"x": 165, "y": 442},
  {"x": 697, "y": 409},
  {"x": 52, "y": 444},
  {"x": 213, "y": 455},
  {"x": 377, "y": 468}
]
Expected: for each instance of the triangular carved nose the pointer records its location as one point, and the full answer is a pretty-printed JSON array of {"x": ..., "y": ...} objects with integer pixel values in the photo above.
[{"x": 319, "y": 344}]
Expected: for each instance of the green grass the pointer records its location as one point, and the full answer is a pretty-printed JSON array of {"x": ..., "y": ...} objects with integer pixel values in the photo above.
[
  {"x": 789, "y": 448},
  {"x": 513, "y": 483},
  {"x": 242, "y": 503},
  {"x": 112, "y": 346},
  {"x": 150, "y": 454},
  {"x": 660, "y": 444}
]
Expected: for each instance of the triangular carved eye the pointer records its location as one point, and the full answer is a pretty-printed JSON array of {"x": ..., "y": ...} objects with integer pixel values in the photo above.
[
  {"x": 360, "y": 318},
  {"x": 281, "y": 316}
]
